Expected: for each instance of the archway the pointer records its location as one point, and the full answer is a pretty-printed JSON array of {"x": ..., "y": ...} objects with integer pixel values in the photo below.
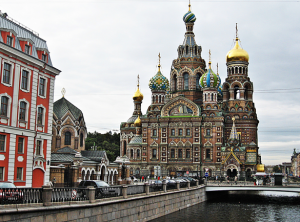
[
  {"x": 102, "y": 173},
  {"x": 248, "y": 174},
  {"x": 88, "y": 174},
  {"x": 37, "y": 178}
]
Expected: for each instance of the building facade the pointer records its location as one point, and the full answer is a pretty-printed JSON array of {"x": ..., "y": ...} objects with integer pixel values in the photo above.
[
  {"x": 195, "y": 125},
  {"x": 26, "y": 95}
]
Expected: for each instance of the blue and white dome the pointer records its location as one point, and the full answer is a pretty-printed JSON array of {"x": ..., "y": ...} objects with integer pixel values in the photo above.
[{"x": 189, "y": 17}]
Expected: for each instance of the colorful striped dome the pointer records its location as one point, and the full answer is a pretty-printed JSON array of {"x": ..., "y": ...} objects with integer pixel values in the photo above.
[
  {"x": 210, "y": 79},
  {"x": 159, "y": 82},
  {"x": 189, "y": 17}
]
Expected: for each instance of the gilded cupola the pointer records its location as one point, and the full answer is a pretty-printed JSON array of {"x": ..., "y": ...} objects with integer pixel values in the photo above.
[
  {"x": 138, "y": 122},
  {"x": 138, "y": 96}
]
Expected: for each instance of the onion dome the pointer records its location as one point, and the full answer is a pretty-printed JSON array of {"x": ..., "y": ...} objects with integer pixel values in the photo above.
[
  {"x": 210, "y": 79},
  {"x": 159, "y": 82},
  {"x": 237, "y": 53},
  {"x": 138, "y": 96},
  {"x": 138, "y": 122},
  {"x": 189, "y": 16}
]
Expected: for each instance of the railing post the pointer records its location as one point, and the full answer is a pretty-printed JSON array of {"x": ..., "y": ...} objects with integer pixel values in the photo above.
[
  {"x": 47, "y": 194},
  {"x": 91, "y": 194},
  {"x": 147, "y": 188},
  {"x": 178, "y": 185},
  {"x": 124, "y": 191},
  {"x": 189, "y": 184},
  {"x": 164, "y": 183},
  {"x": 197, "y": 183}
]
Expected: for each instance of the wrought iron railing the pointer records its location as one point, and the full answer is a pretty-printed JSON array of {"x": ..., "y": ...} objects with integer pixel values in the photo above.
[
  {"x": 69, "y": 194},
  {"x": 135, "y": 189},
  {"x": 106, "y": 192},
  {"x": 20, "y": 195}
]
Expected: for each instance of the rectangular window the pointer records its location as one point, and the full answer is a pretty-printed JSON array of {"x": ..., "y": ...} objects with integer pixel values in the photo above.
[
  {"x": 188, "y": 153},
  {"x": 44, "y": 57},
  {"x": 6, "y": 73},
  {"x": 40, "y": 115},
  {"x": 188, "y": 132},
  {"x": 1, "y": 173},
  {"x": 9, "y": 40},
  {"x": 24, "y": 84},
  {"x": 172, "y": 132},
  {"x": 172, "y": 153},
  {"x": 154, "y": 153},
  {"x": 19, "y": 173},
  {"x": 179, "y": 153},
  {"x": 4, "y": 106},
  {"x": 22, "y": 114},
  {"x": 208, "y": 154},
  {"x": 38, "y": 147},
  {"x": 208, "y": 132},
  {"x": 27, "y": 49},
  {"x": 180, "y": 132},
  {"x": 42, "y": 87},
  {"x": 154, "y": 132},
  {"x": 2, "y": 142},
  {"x": 21, "y": 145}
]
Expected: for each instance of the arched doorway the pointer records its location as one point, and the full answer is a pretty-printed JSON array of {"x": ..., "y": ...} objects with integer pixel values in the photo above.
[
  {"x": 102, "y": 173},
  {"x": 231, "y": 172},
  {"x": 248, "y": 174},
  {"x": 83, "y": 175}
]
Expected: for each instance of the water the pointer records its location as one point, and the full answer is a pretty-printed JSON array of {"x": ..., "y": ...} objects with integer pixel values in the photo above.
[{"x": 260, "y": 206}]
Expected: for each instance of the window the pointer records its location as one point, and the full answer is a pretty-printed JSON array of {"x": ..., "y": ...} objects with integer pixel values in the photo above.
[
  {"x": 67, "y": 138},
  {"x": 21, "y": 145},
  {"x": 197, "y": 81},
  {"x": 172, "y": 132},
  {"x": 42, "y": 87},
  {"x": 24, "y": 84},
  {"x": 138, "y": 154},
  {"x": 172, "y": 153},
  {"x": 9, "y": 40},
  {"x": 2, "y": 142},
  {"x": 6, "y": 73},
  {"x": 131, "y": 153},
  {"x": 180, "y": 132},
  {"x": 175, "y": 83},
  {"x": 207, "y": 132},
  {"x": 236, "y": 92},
  {"x": 4, "y": 106},
  {"x": 1, "y": 173},
  {"x": 180, "y": 153},
  {"x": 19, "y": 173},
  {"x": 40, "y": 115},
  {"x": 38, "y": 147},
  {"x": 124, "y": 148},
  {"x": 188, "y": 132},
  {"x": 154, "y": 153},
  {"x": 188, "y": 153},
  {"x": 44, "y": 57},
  {"x": 154, "y": 132},
  {"x": 27, "y": 49},
  {"x": 81, "y": 139},
  {"x": 207, "y": 153},
  {"x": 186, "y": 81},
  {"x": 22, "y": 113}
]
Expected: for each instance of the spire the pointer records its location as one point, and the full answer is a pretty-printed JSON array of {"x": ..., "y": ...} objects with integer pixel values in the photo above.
[
  {"x": 138, "y": 80},
  {"x": 233, "y": 133},
  {"x": 159, "y": 62},
  {"x": 209, "y": 63},
  {"x": 189, "y": 5},
  {"x": 236, "y": 32}
]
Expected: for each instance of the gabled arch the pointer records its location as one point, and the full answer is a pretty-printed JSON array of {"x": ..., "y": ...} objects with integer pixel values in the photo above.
[
  {"x": 236, "y": 83},
  {"x": 208, "y": 144},
  {"x": 185, "y": 69},
  {"x": 188, "y": 144},
  {"x": 180, "y": 143},
  {"x": 154, "y": 144},
  {"x": 180, "y": 100}
]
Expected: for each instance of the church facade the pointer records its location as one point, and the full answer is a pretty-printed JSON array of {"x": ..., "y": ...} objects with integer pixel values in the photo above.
[{"x": 195, "y": 124}]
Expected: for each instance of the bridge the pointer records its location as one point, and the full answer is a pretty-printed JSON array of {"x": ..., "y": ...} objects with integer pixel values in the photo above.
[{"x": 242, "y": 187}]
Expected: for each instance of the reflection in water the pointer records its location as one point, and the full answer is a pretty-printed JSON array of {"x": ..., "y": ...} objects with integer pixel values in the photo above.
[{"x": 234, "y": 206}]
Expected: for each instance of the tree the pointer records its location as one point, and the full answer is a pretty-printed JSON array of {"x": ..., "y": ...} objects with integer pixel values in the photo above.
[{"x": 277, "y": 169}]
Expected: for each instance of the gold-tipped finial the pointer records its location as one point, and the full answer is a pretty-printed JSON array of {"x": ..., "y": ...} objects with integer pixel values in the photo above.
[
  {"x": 236, "y": 32},
  {"x": 189, "y": 5},
  {"x": 159, "y": 62},
  {"x": 63, "y": 92},
  {"x": 209, "y": 63},
  {"x": 138, "y": 80}
]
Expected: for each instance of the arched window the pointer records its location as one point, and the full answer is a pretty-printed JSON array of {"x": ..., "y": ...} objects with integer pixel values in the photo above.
[
  {"x": 68, "y": 138},
  {"x": 197, "y": 81},
  {"x": 246, "y": 92},
  {"x": 236, "y": 92},
  {"x": 131, "y": 153},
  {"x": 175, "y": 82},
  {"x": 154, "y": 153},
  {"x": 186, "y": 81},
  {"x": 240, "y": 70},
  {"x": 187, "y": 50},
  {"x": 205, "y": 97},
  {"x": 124, "y": 148},
  {"x": 81, "y": 139},
  {"x": 195, "y": 50},
  {"x": 207, "y": 132},
  {"x": 236, "y": 70},
  {"x": 212, "y": 97}
]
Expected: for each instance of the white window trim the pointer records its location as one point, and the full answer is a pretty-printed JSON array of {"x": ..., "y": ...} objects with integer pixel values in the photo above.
[
  {"x": 26, "y": 112},
  {"x": 45, "y": 89},
  {"x": 22, "y": 144},
  {"x": 8, "y": 105},
  {"x": 4, "y": 144},
  {"x": 42, "y": 148},
  {"x": 44, "y": 114},
  {"x": 2, "y": 179},
  {"x": 11, "y": 73},
  {"x": 22, "y": 175},
  {"x": 29, "y": 78}
]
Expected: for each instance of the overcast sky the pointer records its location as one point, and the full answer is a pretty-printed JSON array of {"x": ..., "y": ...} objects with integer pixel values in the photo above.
[{"x": 101, "y": 46}]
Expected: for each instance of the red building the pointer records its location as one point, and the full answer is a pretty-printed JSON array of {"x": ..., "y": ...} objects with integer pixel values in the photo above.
[{"x": 26, "y": 109}]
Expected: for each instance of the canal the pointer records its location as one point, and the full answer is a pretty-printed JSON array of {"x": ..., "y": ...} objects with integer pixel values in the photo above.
[{"x": 237, "y": 206}]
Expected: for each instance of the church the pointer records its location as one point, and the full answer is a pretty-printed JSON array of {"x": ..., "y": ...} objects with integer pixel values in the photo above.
[{"x": 195, "y": 125}]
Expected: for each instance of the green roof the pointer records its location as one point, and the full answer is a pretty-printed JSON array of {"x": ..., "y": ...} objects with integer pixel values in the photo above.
[{"x": 62, "y": 106}]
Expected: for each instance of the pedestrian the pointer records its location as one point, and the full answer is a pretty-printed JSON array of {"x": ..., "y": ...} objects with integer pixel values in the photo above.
[
  {"x": 235, "y": 179},
  {"x": 142, "y": 178}
]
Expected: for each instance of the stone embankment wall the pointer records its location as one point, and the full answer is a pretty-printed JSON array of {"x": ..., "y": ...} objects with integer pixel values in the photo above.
[{"x": 140, "y": 207}]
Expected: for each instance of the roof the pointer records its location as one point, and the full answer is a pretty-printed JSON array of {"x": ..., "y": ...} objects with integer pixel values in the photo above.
[
  {"x": 62, "y": 106},
  {"x": 136, "y": 140},
  {"x": 65, "y": 157},
  {"x": 66, "y": 150},
  {"x": 95, "y": 155},
  {"x": 24, "y": 33}
]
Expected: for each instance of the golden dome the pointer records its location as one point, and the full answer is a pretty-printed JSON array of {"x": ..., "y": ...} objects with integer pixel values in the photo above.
[
  {"x": 138, "y": 96},
  {"x": 237, "y": 53},
  {"x": 138, "y": 122},
  {"x": 260, "y": 167}
]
